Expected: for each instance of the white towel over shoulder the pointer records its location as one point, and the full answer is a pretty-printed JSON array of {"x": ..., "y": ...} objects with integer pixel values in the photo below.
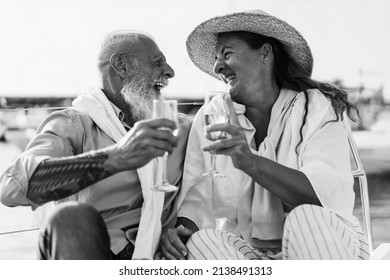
[{"x": 96, "y": 105}]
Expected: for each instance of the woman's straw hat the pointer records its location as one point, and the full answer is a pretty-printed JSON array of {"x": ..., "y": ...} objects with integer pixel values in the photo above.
[{"x": 201, "y": 42}]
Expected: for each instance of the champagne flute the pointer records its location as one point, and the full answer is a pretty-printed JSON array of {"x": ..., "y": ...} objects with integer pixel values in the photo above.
[
  {"x": 214, "y": 115},
  {"x": 165, "y": 109}
]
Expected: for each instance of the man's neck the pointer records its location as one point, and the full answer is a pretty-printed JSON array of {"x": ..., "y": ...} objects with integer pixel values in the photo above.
[{"x": 118, "y": 100}]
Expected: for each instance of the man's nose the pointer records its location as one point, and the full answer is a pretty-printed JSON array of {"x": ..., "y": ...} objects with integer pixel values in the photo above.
[
  {"x": 219, "y": 65},
  {"x": 168, "y": 71}
]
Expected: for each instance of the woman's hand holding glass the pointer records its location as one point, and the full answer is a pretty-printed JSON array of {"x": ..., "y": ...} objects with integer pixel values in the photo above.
[
  {"x": 213, "y": 116},
  {"x": 234, "y": 144}
]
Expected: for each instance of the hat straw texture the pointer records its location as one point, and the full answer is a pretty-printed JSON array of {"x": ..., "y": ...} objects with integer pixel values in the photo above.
[{"x": 203, "y": 39}]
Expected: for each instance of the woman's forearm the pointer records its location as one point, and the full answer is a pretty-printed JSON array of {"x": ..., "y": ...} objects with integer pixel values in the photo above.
[{"x": 290, "y": 185}]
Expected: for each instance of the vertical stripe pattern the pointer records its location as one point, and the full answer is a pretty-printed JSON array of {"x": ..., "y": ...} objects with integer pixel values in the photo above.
[
  {"x": 211, "y": 244},
  {"x": 312, "y": 232}
]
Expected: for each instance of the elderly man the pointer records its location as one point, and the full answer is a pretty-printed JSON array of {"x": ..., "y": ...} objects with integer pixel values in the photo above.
[{"x": 98, "y": 153}]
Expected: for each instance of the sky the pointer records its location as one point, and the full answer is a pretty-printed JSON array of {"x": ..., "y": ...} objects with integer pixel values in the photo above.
[{"x": 49, "y": 47}]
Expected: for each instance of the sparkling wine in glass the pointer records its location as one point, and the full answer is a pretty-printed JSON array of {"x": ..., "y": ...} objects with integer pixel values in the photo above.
[
  {"x": 165, "y": 109},
  {"x": 214, "y": 115}
]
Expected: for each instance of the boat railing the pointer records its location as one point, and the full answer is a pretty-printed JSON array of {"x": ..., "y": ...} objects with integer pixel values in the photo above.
[{"x": 359, "y": 173}]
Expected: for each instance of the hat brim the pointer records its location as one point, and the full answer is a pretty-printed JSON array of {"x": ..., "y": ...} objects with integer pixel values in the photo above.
[{"x": 202, "y": 40}]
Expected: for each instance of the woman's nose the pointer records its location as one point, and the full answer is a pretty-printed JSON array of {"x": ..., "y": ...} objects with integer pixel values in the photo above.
[{"x": 219, "y": 65}]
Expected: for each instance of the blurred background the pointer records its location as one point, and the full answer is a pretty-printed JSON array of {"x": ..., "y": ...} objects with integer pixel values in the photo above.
[{"x": 48, "y": 57}]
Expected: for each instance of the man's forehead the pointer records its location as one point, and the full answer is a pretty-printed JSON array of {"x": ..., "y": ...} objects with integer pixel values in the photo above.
[{"x": 147, "y": 48}]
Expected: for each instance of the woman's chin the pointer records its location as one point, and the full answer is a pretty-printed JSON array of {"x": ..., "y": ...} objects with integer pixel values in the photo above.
[{"x": 233, "y": 91}]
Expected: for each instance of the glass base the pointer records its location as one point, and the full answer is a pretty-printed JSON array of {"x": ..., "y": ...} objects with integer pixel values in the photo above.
[
  {"x": 165, "y": 187},
  {"x": 215, "y": 174},
  {"x": 225, "y": 224}
]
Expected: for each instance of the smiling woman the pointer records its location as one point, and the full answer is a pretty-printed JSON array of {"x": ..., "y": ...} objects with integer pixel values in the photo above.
[{"x": 286, "y": 153}]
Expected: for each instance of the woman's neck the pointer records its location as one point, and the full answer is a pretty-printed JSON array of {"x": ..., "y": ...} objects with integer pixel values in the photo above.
[
  {"x": 262, "y": 100},
  {"x": 259, "y": 111}
]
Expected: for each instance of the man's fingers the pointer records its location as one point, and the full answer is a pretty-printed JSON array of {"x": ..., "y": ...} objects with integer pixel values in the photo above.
[
  {"x": 166, "y": 254},
  {"x": 167, "y": 136},
  {"x": 183, "y": 231},
  {"x": 160, "y": 146},
  {"x": 173, "y": 246},
  {"x": 159, "y": 123},
  {"x": 184, "y": 234},
  {"x": 157, "y": 256},
  {"x": 146, "y": 139}
]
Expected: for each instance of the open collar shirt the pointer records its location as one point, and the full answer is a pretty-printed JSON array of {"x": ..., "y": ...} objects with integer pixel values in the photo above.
[
  {"x": 118, "y": 198},
  {"x": 323, "y": 156}
]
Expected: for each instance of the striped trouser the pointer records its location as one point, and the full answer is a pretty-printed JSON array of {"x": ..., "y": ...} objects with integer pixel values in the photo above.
[
  {"x": 310, "y": 232},
  {"x": 313, "y": 233},
  {"x": 211, "y": 244}
]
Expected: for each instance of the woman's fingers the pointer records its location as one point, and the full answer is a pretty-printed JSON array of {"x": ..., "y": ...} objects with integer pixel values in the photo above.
[
  {"x": 222, "y": 146},
  {"x": 222, "y": 127},
  {"x": 233, "y": 119}
]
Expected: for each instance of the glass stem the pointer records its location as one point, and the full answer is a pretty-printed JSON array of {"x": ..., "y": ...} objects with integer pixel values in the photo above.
[
  {"x": 213, "y": 195},
  {"x": 213, "y": 163},
  {"x": 213, "y": 191},
  {"x": 164, "y": 168}
]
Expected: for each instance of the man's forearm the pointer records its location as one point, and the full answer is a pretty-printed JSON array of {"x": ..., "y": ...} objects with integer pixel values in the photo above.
[{"x": 58, "y": 178}]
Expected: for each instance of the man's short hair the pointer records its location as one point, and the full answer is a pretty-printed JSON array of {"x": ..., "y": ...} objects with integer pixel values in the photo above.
[{"x": 118, "y": 42}]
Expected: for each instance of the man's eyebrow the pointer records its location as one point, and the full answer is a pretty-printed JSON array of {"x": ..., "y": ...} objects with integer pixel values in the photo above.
[{"x": 159, "y": 57}]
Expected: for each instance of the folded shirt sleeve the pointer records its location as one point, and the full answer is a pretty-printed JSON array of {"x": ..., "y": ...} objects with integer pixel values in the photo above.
[
  {"x": 326, "y": 163},
  {"x": 58, "y": 136}
]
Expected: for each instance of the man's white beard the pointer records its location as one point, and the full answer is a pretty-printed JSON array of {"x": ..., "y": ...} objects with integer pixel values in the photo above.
[{"x": 139, "y": 96}]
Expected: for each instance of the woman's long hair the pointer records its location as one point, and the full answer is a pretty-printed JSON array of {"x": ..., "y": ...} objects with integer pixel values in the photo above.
[{"x": 289, "y": 76}]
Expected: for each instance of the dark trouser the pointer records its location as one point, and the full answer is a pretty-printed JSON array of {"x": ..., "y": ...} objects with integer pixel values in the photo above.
[{"x": 77, "y": 231}]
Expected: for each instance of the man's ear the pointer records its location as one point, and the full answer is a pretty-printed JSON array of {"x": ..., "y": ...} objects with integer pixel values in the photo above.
[
  {"x": 266, "y": 52},
  {"x": 118, "y": 64}
]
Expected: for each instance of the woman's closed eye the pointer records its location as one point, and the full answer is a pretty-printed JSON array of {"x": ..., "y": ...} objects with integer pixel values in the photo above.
[{"x": 227, "y": 54}]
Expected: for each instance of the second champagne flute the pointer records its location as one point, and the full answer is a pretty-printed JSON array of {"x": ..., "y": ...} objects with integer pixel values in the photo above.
[
  {"x": 165, "y": 109},
  {"x": 214, "y": 115}
]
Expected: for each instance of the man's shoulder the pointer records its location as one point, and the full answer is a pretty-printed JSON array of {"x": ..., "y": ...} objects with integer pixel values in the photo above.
[
  {"x": 70, "y": 113},
  {"x": 65, "y": 118}
]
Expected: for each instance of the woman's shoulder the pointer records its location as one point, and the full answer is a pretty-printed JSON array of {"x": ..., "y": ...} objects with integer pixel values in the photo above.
[
  {"x": 316, "y": 98},
  {"x": 319, "y": 108},
  {"x": 317, "y": 102}
]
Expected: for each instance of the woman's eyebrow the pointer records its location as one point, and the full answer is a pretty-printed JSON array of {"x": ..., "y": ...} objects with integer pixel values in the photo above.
[{"x": 222, "y": 50}]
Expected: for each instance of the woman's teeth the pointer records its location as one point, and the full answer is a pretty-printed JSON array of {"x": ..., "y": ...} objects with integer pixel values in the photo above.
[{"x": 230, "y": 78}]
